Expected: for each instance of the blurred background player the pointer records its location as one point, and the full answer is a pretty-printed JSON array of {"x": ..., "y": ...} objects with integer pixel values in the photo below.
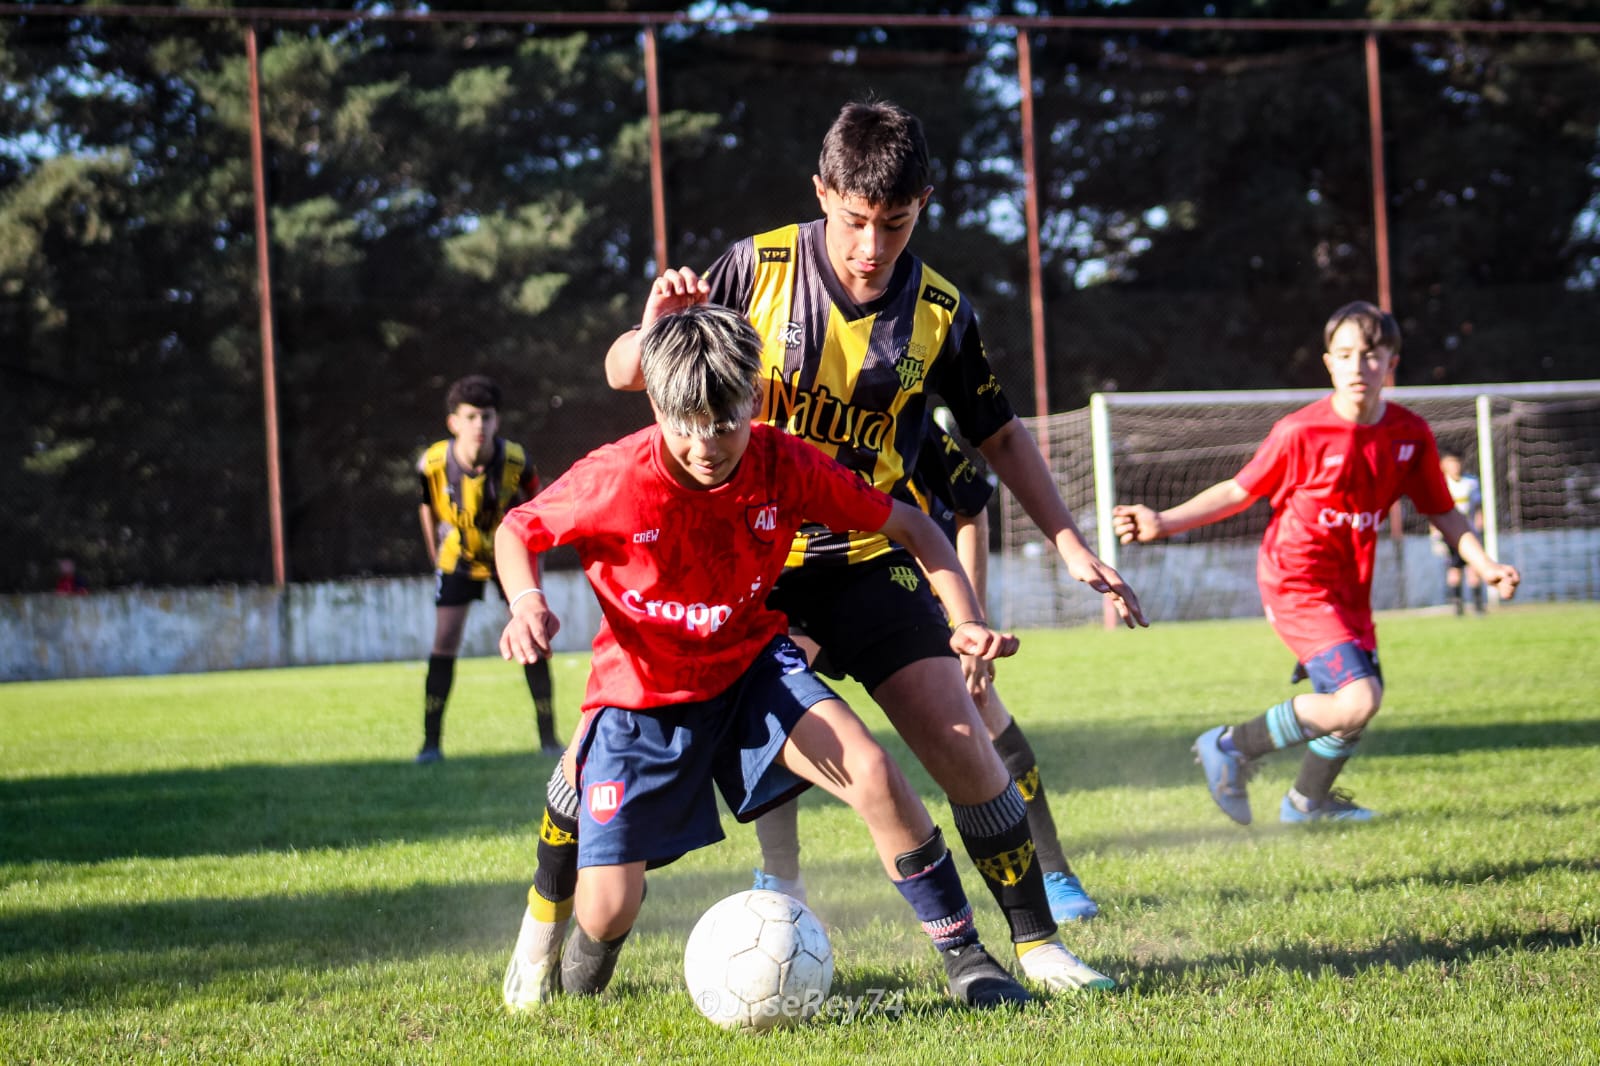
[
  {"x": 68, "y": 581},
  {"x": 1468, "y": 497},
  {"x": 1331, "y": 470},
  {"x": 694, "y": 678},
  {"x": 469, "y": 481},
  {"x": 858, "y": 333},
  {"x": 955, "y": 493}
]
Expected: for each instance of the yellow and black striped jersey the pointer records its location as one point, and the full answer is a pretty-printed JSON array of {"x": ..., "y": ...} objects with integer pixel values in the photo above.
[
  {"x": 855, "y": 380},
  {"x": 945, "y": 483},
  {"x": 469, "y": 507}
]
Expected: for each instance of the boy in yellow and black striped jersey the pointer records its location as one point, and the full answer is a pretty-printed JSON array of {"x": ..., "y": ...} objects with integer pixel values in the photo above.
[
  {"x": 469, "y": 482},
  {"x": 859, "y": 333}
]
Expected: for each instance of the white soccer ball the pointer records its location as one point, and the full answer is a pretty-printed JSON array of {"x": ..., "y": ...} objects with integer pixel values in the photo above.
[{"x": 758, "y": 960}]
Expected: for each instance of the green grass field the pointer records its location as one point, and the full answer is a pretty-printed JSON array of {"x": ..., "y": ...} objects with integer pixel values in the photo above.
[{"x": 247, "y": 867}]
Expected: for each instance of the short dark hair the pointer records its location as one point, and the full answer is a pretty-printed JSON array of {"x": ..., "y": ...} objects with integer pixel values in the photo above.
[
  {"x": 475, "y": 390},
  {"x": 1378, "y": 327},
  {"x": 875, "y": 150}
]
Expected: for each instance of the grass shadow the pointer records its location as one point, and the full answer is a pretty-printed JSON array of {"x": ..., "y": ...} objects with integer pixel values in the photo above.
[
  {"x": 249, "y": 808},
  {"x": 1397, "y": 952}
]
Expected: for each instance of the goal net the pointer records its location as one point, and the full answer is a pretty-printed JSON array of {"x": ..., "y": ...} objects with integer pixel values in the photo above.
[{"x": 1535, "y": 448}]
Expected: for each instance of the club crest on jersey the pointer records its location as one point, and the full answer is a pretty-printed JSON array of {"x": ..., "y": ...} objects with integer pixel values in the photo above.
[
  {"x": 605, "y": 799},
  {"x": 910, "y": 370},
  {"x": 1404, "y": 450},
  {"x": 762, "y": 518},
  {"x": 906, "y": 577}
]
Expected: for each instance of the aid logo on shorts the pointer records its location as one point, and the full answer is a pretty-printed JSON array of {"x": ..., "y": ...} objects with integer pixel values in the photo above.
[{"x": 605, "y": 798}]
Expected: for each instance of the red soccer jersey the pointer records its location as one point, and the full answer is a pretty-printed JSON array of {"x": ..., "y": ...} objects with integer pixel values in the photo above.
[
  {"x": 682, "y": 574},
  {"x": 1331, "y": 482}
]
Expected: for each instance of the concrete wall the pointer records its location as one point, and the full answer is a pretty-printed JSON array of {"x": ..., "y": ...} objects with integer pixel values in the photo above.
[
  {"x": 187, "y": 630},
  {"x": 167, "y": 631}
]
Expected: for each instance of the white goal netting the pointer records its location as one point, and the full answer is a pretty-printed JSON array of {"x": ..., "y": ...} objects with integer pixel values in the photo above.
[{"x": 1536, "y": 448}]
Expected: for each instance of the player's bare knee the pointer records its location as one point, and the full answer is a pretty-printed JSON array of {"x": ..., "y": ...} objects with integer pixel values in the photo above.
[{"x": 1357, "y": 703}]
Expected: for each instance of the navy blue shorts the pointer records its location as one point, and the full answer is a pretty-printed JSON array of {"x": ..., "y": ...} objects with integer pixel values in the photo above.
[
  {"x": 644, "y": 778},
  {"x": 870, "y": 619},
  {"x": 1333, "y": 669}
]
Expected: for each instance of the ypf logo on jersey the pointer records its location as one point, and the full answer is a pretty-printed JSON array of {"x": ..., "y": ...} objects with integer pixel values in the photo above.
[
  {"x": 605, "y": 799},
  {"x": 762, "y": 518}
]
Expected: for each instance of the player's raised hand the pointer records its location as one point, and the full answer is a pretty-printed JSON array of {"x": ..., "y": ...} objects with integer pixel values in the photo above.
[
  {"x": 1135, "y": 522},
  {"x": 1088, "y": 568},
  {"x": 976, "y": 638},
  {"x": 675, "y": 290}
]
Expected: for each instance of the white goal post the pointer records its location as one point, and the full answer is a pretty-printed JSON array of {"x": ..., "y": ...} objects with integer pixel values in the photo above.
[{"x": 1534, "y": 446}]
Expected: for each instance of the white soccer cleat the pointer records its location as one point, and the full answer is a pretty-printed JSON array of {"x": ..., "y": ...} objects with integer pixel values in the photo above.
[
  {"x": 533, "y": 976},
  {"x": 1056, "y": 968}
]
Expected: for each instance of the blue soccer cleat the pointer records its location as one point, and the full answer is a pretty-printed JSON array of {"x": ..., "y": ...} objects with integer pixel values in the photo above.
[
  {"x": 793, "y": 887},
  {"x": 1068, "y": 901},
  {"x": 1226, "y": 774},
  {"x": 1338, "y": 807}
]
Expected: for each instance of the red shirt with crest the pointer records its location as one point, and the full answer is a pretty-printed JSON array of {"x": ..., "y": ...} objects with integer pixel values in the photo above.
[
  {"x": 1331, "y": 482},
  {"x": 682, "y": 574}
]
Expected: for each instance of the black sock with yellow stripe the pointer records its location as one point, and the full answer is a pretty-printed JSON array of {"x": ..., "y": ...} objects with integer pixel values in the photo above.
[
  {"x": 997, "y": 840},
  {"x": 1015, "y": 751},
  {"x": 556, "y": 879}
]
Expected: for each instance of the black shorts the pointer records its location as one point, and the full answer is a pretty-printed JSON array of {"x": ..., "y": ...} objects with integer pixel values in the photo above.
[
  {"x": 458, "y": 590},
  {"x": 870, "y": 619}
]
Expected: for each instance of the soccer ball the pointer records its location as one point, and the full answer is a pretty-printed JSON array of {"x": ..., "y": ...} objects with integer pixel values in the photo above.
[{"x": 758, "y": 960}]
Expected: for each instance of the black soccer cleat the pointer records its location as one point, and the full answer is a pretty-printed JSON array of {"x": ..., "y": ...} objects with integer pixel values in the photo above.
[{"x": 976, "y": 980}]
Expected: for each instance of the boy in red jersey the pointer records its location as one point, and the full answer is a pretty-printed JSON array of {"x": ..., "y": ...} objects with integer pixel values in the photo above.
[
  {"x": 859, "y": 332},
  {"x": 682, "y": 528},
  {"x": 1331, "y": 470}
]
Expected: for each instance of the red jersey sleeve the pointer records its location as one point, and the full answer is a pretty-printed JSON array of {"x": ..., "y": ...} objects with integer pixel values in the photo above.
[
  {"x": 1426, "y": 486},
  {"x": 1268, "y": 469},
  {"x": 552, "y": 517}
]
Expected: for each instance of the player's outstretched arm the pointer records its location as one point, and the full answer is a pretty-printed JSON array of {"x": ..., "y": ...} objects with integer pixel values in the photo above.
[
  {"x": 1013, "y": 455},
  {"x": 1136, "y": 522},
  {"x": 971, "y": 634},
  {"x": 526, "y": 637},
  {"x": 674, "y": 290},
  {"x": 1458, "y": 533}
]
